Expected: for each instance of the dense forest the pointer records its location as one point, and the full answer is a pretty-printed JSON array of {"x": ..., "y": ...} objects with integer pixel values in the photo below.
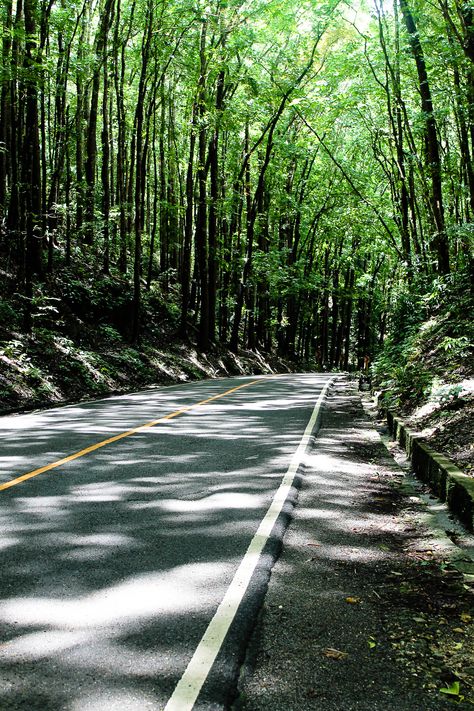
[{"x": 283, "y": 177}]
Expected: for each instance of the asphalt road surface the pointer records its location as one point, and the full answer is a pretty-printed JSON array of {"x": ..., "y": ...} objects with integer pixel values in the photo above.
[{"x": 127, "y": 563}]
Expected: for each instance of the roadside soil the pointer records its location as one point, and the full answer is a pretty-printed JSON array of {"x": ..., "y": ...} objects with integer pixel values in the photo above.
[
  {"x": 367, "y": 608},
  {"x": 80, "y": 343},
  {"x": 450, "y": 430},
  {"x": 47, "y": 369}
]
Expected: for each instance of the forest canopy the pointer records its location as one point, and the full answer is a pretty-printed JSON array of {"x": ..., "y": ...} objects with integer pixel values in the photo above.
[{"x": 288, "y": 176}]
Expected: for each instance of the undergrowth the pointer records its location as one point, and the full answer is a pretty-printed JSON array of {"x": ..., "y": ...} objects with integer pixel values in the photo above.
[
  {"x": 430, "y": 351},
  {"x": 79, "y": 345},
  {"x": 426, "y": 368}
]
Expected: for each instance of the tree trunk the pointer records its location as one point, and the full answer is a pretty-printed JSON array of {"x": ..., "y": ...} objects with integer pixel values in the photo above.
[
  {"x": 31, "y": 163},
  {"x": 31, "y": 158},
  {"x": 91, "y": 159},
  {"x": 5, "y": 107},
  {"x": 433, "y": 158},
  {"x": 201, "y": 219},
  {"x": 140, "y": 162},
  {"x": 188, "y": 229},
  {"x": 105, "y": 168},
  {"x": 213, "y": 207}
]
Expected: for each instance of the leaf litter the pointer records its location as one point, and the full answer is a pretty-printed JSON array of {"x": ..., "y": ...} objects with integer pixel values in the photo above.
[
  {"x": 432, "y": 611},
  {"x": 331, "y": 653},
  {"x": 427, "y": 611}
]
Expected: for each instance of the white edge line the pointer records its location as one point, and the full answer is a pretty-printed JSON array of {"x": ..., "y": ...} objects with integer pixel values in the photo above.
[{"x": 187, "y": 690}]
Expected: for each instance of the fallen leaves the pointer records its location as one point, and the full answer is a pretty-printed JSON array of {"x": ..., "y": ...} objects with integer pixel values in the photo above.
[
  {"x": 353, "y": 600},
  {"x": 433, "y": 637},
  {"x": 331, "y": 653}
]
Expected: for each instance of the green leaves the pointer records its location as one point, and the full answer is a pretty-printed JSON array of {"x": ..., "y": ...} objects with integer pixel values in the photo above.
[{"x": 453, "y": 690}]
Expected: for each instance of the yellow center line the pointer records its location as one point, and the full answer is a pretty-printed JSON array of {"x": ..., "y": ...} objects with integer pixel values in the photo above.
[{"x": 122, "y": 435}]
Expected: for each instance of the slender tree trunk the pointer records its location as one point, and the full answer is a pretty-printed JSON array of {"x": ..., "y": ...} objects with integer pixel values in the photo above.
[
  {"x": 432, "y": 146},
  {"x": 105, "y": 168},
  {"x": 79, "y": 185},
  {"x": 164, "y": 234},
  {"x": 240, "y": 296},
  {"x": 174, "y": 189},
  {"x": 91, "y": 159},
  {"x": 140, "y": 164},
  {"x": 31, "y": 162},
  {"x": 188, "y": 228},
  {"x": 213, "y": 207},
  {"x": 5, "y": 106},
  {"x": 154, "y": 210},
  {"x": 15, "y": 218},
  {"x": 201, "y": 220},
  {"x": 68, "y": 194},
  {"x": 121, "y": 178}
]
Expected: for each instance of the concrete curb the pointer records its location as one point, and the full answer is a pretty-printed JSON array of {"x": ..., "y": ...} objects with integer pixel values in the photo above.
[{"x": 448, "y": 482}]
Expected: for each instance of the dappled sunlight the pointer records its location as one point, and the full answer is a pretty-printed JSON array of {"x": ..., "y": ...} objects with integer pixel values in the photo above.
[
  {"x": 117, "y": 560},
  {"x": 253, "y": 417},
  {"x": 7, "y": 541},
  {"x": 99, "y": 539},
  {"x": 344, "y": 470},
  {"x": 323, "y": 640},
  {"x": 181, "y": 590},
  {"x": 341, "y": 500},
  {"x": 355, "y": 554},
  {"x": 43, "y": 644},
  {"x": 119, "y": 659},
  {"x": 111, "y": 701},
  {"x": 338, "y": 471},
  {"x": 214, "y": 502},
  {"x": 319, "y": 513},
  {"x": 6, "y": 462},
  {"x": 50, "y": 506}
]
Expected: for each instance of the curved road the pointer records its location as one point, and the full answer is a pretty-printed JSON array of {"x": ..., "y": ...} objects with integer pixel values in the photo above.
[{"x": 116, "y": 561}]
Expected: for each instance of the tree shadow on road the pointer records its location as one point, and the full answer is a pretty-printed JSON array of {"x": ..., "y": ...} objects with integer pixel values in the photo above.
[{"x": 113, "y": 564}]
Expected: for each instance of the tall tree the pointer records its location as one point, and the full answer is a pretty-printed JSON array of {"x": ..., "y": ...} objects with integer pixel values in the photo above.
[{"x": 433, "y": 157}]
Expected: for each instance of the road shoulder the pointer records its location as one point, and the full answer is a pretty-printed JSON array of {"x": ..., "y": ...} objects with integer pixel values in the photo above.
[{"x": 363, "y": 611}]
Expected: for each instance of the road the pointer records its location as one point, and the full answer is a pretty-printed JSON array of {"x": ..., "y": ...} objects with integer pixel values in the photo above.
[{"x": 118, "y": 561}]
